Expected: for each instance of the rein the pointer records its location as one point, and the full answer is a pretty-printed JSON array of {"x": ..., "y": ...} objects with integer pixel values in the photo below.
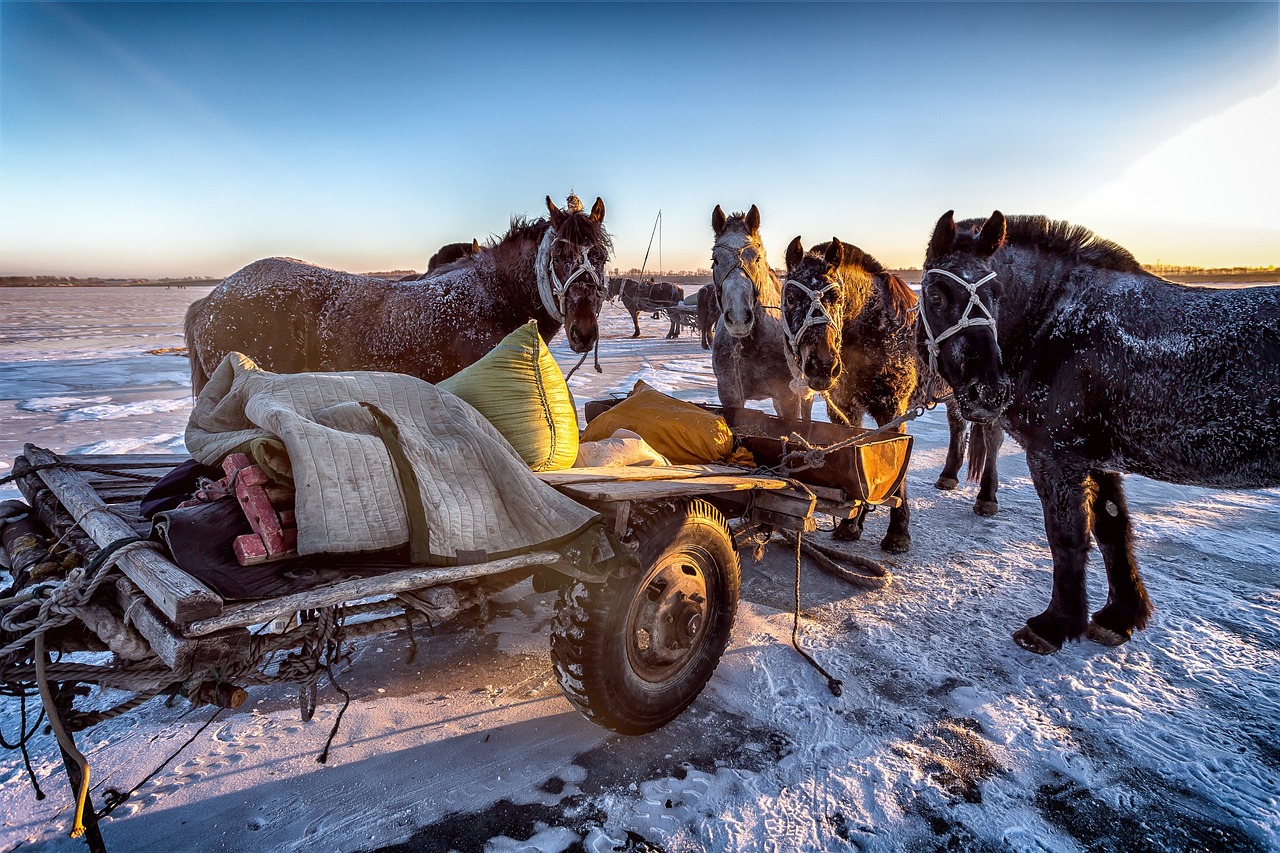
[
  {"x": 817, "y": 315},
  {"x": 551, "y": 289},
  {"x": 934, "y": 342}
]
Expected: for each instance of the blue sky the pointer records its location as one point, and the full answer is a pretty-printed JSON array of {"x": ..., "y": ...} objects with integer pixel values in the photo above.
[{"x": 192, "y": 139}]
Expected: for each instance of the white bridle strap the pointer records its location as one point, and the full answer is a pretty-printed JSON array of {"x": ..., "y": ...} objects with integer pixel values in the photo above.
[
  {"x": 934, "y": 342},
  {"x": 817, "y": 315},
  {"x": 550, "y": 288}
]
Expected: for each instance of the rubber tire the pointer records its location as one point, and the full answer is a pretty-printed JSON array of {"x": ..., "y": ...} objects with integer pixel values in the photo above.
[{"x": 589, "y": 637}]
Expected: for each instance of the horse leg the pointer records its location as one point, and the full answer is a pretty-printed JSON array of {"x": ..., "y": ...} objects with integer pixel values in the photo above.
[
  {"x": 635, "y": 319},
  {"x": 950, "y": 477},
  {"x": 673, "y": 314},
  {"x": 991, "y": 437},
  {"x": 849, "y": 414},
  {"x": 898, "y": 539},
  {"x": 1066, "y": 494},
  {"x": 1128, "y": 607}
]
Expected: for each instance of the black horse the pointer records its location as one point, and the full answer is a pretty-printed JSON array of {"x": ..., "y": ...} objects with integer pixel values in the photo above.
[
  {"x": 1099, "y": 368},
  {"x": 850, "y": 331},
  {"x": 645, "y": 296},
  {"x": 446, "y": 254},
  {"x": 708, "y": 313}
]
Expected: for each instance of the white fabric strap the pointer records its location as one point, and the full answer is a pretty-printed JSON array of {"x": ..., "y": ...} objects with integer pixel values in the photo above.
[
  {"x": 817, "y": 315},
  {"x": 934, "y": 342},
  {"x": 550, "y": 288}
]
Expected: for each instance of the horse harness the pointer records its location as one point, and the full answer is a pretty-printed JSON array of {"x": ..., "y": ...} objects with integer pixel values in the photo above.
[
  {"x": 551, "y": 289},
  {"x": 817, "y": 315},
  {"x": 934, "y": 342}
]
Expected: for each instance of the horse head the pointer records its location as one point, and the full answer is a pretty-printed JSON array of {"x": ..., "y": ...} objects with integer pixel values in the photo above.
[
  {"x": 823, "y": 286},
  {"x": 571, "y": 270},
  {"x": 959, "y": 306},
  {"x": 739, "y": 268}
]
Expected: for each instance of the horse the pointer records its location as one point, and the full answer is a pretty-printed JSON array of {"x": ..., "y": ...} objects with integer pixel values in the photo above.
[
  {"x": 747, "y": 354},
  {"x": 850, "y": 330},
  {"x": 644, "y": 296},
  {"x": 1099, "y": 368},
  {"x": 291, "y": 317},
  {"x": 708, "y": 313},
  {"x": 446, "y": 254}
]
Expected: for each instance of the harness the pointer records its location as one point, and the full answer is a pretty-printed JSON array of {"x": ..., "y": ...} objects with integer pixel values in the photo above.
[
  {"x": 934, "y": 342},
  {"x": 550, "y": 288},
  {"x": 817, "y": 315}
]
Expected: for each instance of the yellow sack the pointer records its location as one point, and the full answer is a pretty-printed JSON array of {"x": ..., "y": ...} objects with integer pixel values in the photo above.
[
  {"x": 519, "y": 388},
  {"x": 684, "y": 433}
]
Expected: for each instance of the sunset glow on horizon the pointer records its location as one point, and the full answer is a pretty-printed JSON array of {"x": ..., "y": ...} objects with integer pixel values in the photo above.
[{"x": 177, "y": 139}]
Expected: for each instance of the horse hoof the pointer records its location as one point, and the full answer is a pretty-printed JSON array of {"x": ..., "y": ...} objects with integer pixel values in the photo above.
[
  {"x": 947, "y": 484},
  {"x": 1033, "y": 642},
  {"x": 846, "y": 533},
  {"x": 896, "y": 543},
  {"x": 987, "y": 508},
  {"x": 1106, "y": 636}
]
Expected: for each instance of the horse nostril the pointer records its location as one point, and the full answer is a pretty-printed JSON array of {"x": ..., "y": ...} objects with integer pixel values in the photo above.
[{"x": 751, "y": 317}]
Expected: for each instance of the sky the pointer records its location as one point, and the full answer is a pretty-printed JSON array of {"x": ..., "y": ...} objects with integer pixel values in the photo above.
[{"x": 173, "y": 139}]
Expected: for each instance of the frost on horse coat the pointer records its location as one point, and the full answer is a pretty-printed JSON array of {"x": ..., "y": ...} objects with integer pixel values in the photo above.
[
  {"x": 292, "y": 317},
  {"x": 1109, "y": 370}
]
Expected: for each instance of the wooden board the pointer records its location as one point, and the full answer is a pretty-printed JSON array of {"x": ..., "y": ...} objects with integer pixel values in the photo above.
[
  {"x": 646, "y": 490},
  {"x": 620, "y": 473},
  {"x": 175, "y": 593}
]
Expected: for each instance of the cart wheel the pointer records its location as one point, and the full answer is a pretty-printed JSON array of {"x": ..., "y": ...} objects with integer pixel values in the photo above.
[{"x": 634, "y": 652}]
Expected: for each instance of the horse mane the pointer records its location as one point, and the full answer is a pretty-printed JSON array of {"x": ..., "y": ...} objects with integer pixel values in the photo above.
[
  {"x": 902, "y": 299},
  {"x": 579, "y": 228},
  {"x": 1056, "y": 237}
]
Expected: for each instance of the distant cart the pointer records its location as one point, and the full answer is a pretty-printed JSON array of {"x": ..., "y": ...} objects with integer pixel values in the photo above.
[{"x": 632, "y": 647}]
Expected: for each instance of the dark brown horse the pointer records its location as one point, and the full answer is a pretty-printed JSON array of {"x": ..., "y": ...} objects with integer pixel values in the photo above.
[
  {"x": 1099, "y": 368},
  {"x": 645, "y": 296},
  {"x": 292, "y": 317},
  {"x": 850, "y": 330},
  {"x": 446, "y": 254}
]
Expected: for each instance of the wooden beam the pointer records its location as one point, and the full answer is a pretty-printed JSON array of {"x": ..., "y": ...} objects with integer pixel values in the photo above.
[
  {"x": 257, "y": 612},
  {"x": 184, "y": 655},
  {"x": 177, "y": 595}
]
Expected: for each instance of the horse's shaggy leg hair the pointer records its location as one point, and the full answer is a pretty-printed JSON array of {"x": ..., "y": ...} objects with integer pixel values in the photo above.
[
  {"x": 984, "y": 455},
  {"x": 1127, "y": 608},
  {"x": 1067, "y": 496},
  {"x": 958, "y": 428}
]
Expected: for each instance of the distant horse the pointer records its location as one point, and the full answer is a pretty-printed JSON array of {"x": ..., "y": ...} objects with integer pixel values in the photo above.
[
  {"x": 850, "y": 330},
  {"x": 1099, "y": 368},
  {"x": 291, "y": 317},
  {"x": 708, "y": 313},
  {"x": 446, "y": 254},
  {"x": 645, "y": 296},
  {"x": 747, "y": 354}
]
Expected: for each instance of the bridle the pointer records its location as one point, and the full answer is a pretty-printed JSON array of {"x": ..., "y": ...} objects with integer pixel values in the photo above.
[
  {"x": 934, "y": 342},
  {"x": 551, "y": 289},
  {"x": 817, "y": 315}
]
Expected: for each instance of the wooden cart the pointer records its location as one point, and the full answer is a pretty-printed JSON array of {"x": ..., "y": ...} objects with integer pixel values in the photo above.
[{"x": 632, "y": 647}]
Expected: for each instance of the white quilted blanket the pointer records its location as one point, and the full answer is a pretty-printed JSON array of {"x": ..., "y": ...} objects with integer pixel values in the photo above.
[{"x": 480, "y": 498}]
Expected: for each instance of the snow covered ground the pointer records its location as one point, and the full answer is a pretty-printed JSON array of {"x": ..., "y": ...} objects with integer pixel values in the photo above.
[{"x": 947, "y": 736}]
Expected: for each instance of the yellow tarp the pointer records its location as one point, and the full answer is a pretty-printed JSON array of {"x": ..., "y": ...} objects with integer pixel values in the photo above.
[{"x": 684, "y": 433}]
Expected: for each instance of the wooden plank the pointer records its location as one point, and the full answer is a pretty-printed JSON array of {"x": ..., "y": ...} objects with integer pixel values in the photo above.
[
  {"x": 184, "y": 655},
  {"x": 257, "y": 612},
  {"x": 646, "y": 490},
  {"x": 177, "y": 595},
  {"x": 126, "y": 460},
  {"x": 620, "y": 473}
]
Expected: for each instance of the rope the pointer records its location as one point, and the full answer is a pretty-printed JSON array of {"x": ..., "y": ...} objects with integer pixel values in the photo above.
[
  {"x": 80, "y": 466},
  {"x": 865, "y": 572},
  {"x": 934, "y": 343},
  {"x": 64, "y": 739},
  {"x": 113, "y": 798},
  {"x": 815, "y": 456},
  {"x": 835, "y": 685}
]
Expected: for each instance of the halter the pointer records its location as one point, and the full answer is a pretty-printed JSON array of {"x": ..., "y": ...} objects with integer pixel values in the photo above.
[
  {"x": 934, "y": 342},
  {"x": 550, "y": 288},
  {"x": 817, "y": 315}
]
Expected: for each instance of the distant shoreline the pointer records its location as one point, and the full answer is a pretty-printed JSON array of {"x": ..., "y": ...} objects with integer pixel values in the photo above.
[{"x": 911, "y": 276}]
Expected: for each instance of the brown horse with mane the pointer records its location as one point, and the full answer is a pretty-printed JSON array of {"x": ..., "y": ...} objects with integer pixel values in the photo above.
[{"x": 292, "y": 317}]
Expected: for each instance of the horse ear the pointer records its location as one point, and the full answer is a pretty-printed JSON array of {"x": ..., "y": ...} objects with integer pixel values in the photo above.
[
  {"x": 717, "y": 221},
  {"x": 795, "y": 253},
  {"x": 597, "y": 211},
  {"x": 944, "y": 236},
  {"x": 753, "y": 220},
  {"x": 556, "y": 216},
  {"x": 835, "y": 252},
  {"x": 993, "y": 234},
  {"x": 475, "y": 246}
]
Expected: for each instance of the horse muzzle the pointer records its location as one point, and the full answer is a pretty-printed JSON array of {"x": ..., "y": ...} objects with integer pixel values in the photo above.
[
  {"x": 582, "y": 340},
  {"x": 983, "y": 402},
  {"x": 820, "y": 371}
]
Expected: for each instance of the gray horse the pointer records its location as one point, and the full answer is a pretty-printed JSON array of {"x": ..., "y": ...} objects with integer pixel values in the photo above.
[{"x": 748, "y": 354}]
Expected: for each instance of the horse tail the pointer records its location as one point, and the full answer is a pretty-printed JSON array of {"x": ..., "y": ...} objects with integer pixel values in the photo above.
[
  {"x": 977, "y": 452},
  {"x": 198, "y": 376}
]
